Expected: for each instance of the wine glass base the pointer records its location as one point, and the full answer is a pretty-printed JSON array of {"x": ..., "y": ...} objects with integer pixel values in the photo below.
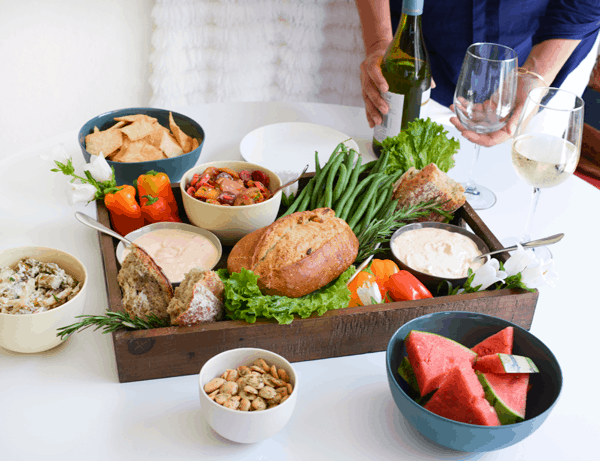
[
  {"x": 479, "y": 197},
  {"x": 539, "y": 252}
]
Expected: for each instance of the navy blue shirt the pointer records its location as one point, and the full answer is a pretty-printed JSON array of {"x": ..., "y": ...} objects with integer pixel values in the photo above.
[{"x": 450, "y": 26}]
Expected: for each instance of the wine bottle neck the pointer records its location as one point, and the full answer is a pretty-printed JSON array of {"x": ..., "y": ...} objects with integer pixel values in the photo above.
[{"x": 412, "y": 7}]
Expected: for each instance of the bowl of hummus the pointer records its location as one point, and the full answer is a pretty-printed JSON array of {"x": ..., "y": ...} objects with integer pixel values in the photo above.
[{"x": 434, "y": 252}]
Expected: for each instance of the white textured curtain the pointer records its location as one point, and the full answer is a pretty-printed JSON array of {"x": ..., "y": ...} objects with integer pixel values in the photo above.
[{"x": 256, "y": 50}]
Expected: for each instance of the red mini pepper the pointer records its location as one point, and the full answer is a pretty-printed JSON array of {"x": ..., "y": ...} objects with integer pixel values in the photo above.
[
  {"x": 403, "y": 286},
  {"x": 125, "y": 212},
  {"x": 157, "y": 185},
  {"x": 156, "y": 209}
]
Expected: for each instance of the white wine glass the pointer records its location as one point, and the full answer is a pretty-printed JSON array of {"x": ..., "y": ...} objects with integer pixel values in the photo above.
[
  {"x": 484, "y": 100},
  {"x": 547, "y": 145}
]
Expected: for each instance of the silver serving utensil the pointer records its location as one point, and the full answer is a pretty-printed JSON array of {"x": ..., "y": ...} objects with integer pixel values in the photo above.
[
  {"x": 363, "y": 265},
  {"x": 289, "y": 183},
  {"x": 91, "y": 222},
  {"x": 532, "y": 244}
]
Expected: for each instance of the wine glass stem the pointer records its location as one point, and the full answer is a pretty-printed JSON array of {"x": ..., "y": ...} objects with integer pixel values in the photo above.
[
  {"x": 534, "y": 201},
  {"x": 471, "y": 185}
]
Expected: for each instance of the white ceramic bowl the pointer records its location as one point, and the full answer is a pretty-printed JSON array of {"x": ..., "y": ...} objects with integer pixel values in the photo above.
[
  {"x": 171, "y": 225},
  {"x": 241, "y": 426},
  {"x": 37, "y": 332},
  {"x": 231, "y": 223}
]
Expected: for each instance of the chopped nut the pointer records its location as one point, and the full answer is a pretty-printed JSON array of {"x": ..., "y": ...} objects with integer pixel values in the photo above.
[
  {"x": 283, "y": 375},
  {"x": 259, "y": 404},
  {"x": 261, "y": 363},
  {"x": 243, "y": 370},
  {"x": 213, "y": 385},
  {"x": 250, "y": 390},
  {"x": 232, "y": 375},
  {"x": 229, "y": 388},
  {"x": 233, "y": 404},
  {"x": 245, "y": 395},
  {"x": 222, "y": 398},
  {"x": 245, "y": 405},
  {"x": 267, "y": 392}
]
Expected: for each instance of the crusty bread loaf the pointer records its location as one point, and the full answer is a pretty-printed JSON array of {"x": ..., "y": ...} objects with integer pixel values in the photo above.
[
  {"x": 417, "y": 186},
  {"x": 146, "y": 289},
  {"x": 297, "y": 254},
  {"x": 198, "y": 299}
]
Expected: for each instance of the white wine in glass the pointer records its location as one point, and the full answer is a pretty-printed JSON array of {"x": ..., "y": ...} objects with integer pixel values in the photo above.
[{"x": 547, "y": 144}]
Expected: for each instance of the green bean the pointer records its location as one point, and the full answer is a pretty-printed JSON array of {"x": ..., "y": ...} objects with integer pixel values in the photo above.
[
  {"x": 327, "y": 202},
  {"x": 387, "y": 210},
  {"x": 353, "y": 220},
  {"x": 379, "y": 202},
  {"x": 309, "y": 190},
  {"x": 341, "y": 202},
  {"x": 292, "y": 208},
  {"x": 317, "y": 164},
  {"x": 368, "y": 166},
  {"x": 350, "y": 159},
  {"x": 381, "y": 163},
  {"x": 348, "y": 206},
  {"x": 341, "y": 182},
  {"x": 322, "y": 176}
]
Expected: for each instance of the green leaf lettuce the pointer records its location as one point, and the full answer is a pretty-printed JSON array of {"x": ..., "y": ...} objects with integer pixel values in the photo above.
[
  {"x": 244, "y": 301},
  {"x": 422, "y": 143}
]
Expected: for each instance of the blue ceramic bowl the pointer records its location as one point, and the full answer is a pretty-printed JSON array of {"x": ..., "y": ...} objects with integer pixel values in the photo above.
[
  {"x": 126, "y": 173},
  {"x": 469, "y": 328}
]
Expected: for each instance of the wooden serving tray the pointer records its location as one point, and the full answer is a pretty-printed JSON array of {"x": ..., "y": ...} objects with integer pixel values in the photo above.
[{"x": 176, "y": 351}]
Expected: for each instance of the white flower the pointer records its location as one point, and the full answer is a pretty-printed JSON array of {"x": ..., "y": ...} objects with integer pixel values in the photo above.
[
  {"x": 81, "y": 193},
  {"x": 58, "y": 154},
  {"x": 488, "y": 274},
  {"x": 99, "y": 168},
  {"x": 518, "y": 261},
  {"x": 538, "y": 275},
  {"x": 369, "y": 294}
]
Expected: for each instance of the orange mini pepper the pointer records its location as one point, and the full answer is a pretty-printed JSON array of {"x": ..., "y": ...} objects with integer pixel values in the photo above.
[
  {"x": 157, "y": 185},
  {"x": 361, "y": 278},
  {"x": 383, "y": 269},
  {"x": 125, "y": 212}
]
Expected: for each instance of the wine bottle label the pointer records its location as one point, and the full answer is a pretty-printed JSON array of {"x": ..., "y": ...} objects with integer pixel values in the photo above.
[
  {"x": 412, "y": 7},
  {"x": 392, "y": 121},
  {"x": 424, "y": 113}
]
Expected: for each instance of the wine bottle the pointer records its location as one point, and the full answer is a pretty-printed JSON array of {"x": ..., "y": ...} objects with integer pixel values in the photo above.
[{"x": 405, "y": 67}]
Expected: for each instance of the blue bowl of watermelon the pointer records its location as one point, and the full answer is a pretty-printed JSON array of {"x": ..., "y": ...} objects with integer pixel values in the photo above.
[{"x": 514, "y": 409}]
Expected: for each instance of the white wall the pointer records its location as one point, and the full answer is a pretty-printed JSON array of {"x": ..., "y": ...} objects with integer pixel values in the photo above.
[{"x": 64, "y": 61}]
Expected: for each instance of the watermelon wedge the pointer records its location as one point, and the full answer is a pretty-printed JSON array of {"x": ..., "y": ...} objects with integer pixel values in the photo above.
[
  {"x": 499, "y": 343},
  {"x": 407, "y": 374},
  {"x": 504, "y": 363},
  {"x": 461, "y": 398},
  {"x": 507, "y": 393},
  {"x": 432, "y": 356}
]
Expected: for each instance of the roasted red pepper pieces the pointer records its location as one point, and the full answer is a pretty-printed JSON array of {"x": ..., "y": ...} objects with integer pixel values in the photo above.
[
  {"x": 403, "y": 286},
  {"x": 125, "y": 212}
]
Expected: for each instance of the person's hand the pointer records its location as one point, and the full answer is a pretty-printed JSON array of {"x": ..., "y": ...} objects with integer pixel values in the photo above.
[
  {"x": 373, "y": 84},
  {"x": 525, "y": 84}
]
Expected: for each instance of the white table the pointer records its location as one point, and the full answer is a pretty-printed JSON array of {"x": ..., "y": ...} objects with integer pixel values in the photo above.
[{"x": 67, "y": 403}]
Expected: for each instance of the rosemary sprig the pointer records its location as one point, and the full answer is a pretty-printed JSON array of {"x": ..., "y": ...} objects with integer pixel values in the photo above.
[
  {"x": 380, "y": 230},
  {"x": 113, "y": 321}
]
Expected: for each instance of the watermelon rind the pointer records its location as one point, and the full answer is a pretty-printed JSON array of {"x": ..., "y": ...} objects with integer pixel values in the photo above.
[
  {"x": 506, "y": 415},
  {"x": 407, "y": 374},
  {"x": 505, "y": 363}
]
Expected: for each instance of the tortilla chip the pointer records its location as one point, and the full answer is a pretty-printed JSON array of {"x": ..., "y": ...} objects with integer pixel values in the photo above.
[
  {"x": 183, "y": 139},
  {"x": 107, "y": 142},
  {"x": 156, "y": 135},
  {"x": 195, "y": 143},
  {"x": 117, "y": 125},
  {"x": 138, "y": 130},
  {"x": 96, "y": 129},
  {"x": 135, "y": 118},
  {"x": 118, "y": 155},
  {"x": 169, "y": 146},
  {"x": 140, "y": 151}
]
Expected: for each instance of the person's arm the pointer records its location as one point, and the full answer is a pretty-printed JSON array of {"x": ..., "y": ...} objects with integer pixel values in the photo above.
[
  {"x": 546, "y": 59},
  {"x": 377, "y": 34}
]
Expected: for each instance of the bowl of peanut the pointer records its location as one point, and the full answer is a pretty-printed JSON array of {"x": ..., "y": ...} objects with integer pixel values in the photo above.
[{"x": 247, "y": 394}]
